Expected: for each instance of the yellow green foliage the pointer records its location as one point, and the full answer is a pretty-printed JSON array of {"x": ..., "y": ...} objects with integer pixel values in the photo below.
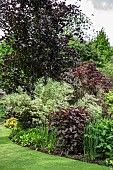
[{"x": 11, "y": 123}]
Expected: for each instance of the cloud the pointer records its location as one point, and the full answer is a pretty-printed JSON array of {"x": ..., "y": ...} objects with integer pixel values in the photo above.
[{"x": 102, "y": 4}]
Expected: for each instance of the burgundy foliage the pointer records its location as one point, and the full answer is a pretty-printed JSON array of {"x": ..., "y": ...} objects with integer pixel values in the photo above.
[
  {"x": 69, "y": 124},
  {"x": 40, "y": 32},
  {"x": 86, "y": 78}
]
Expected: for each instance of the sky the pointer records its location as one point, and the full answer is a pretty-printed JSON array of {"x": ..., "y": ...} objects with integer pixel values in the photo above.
[{"x": 102, "y": 17}]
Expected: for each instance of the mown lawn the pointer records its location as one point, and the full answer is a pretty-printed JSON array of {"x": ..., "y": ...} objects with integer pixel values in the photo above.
[{"x": 14, "y": 157}]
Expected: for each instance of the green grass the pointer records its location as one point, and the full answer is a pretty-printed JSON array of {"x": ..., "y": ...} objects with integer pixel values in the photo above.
[{"x": 14, "y": 157}]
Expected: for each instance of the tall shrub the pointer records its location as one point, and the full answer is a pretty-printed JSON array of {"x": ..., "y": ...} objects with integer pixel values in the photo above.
[{"x": 85, "y": 78}]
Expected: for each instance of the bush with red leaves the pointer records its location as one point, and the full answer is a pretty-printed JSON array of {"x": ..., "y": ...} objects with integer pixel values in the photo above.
[
  {"x": 69, "y": 124},
  {"x": 87, "y": 79}
]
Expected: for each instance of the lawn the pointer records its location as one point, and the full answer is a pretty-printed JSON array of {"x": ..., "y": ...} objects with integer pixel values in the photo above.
[{"x": 14, "y": 157}]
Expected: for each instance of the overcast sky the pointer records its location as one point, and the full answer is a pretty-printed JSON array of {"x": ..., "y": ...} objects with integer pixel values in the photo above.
[{"x": 102, "y": 11}]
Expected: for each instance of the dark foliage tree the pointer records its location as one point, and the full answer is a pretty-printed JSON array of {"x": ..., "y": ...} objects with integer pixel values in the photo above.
[{"x": 40, "y": 31}]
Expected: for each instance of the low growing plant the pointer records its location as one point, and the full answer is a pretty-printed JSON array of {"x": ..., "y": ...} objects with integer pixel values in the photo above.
[
  {"x": 109, "y": 161},
  {"x": 40, "y": 138},
  {"x": 11, "y": 123}
]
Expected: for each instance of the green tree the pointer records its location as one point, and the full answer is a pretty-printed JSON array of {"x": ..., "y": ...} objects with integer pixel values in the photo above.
[
  {"x": 103, "y": 48},
  {"x": 84, "y": 49}
]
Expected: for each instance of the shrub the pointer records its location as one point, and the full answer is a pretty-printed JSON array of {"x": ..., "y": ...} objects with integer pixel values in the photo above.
[
  {"x": 84, "y": 49},
  {"x": 54, "y": 95},
  {"x": 48, "y": 98},
  {"x": 107, "y": 70},
  {"x": 92, "y": 104},
  {"x": 20, "y": 106},
  {"x": 109, "y": 102},
  {"x": 11, "y": 123},
  {"x": 69, "y": 124},
  {"x": 98, "y": 139},
  {"x": 87, "y": 79}
]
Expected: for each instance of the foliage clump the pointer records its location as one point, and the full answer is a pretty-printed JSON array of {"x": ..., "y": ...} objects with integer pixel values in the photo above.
[
  {"x": 92, "y": 104},
  {"x": 85, "y": 50},
  {"x": 37, "y": 138},
  {"x": 69, "y": 124},
  {"x": 41, "y": 30},
  {"x": 18, "y": 105},
  {"x": 107, "y": 70},
  {"x": 98, "y": 139},
  {"x": 102, "y": 46},
  {"x": 109, "y": 102},
  {"x": 11, "y": 123},
  {"x": 48, "y": 98},
  {"x": 85, "y": 78},
  {"x": 54, "y": 94}
]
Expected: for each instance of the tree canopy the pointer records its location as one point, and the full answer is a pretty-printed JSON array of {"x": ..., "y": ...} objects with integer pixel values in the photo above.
[{"x": 41, "y": 30}]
